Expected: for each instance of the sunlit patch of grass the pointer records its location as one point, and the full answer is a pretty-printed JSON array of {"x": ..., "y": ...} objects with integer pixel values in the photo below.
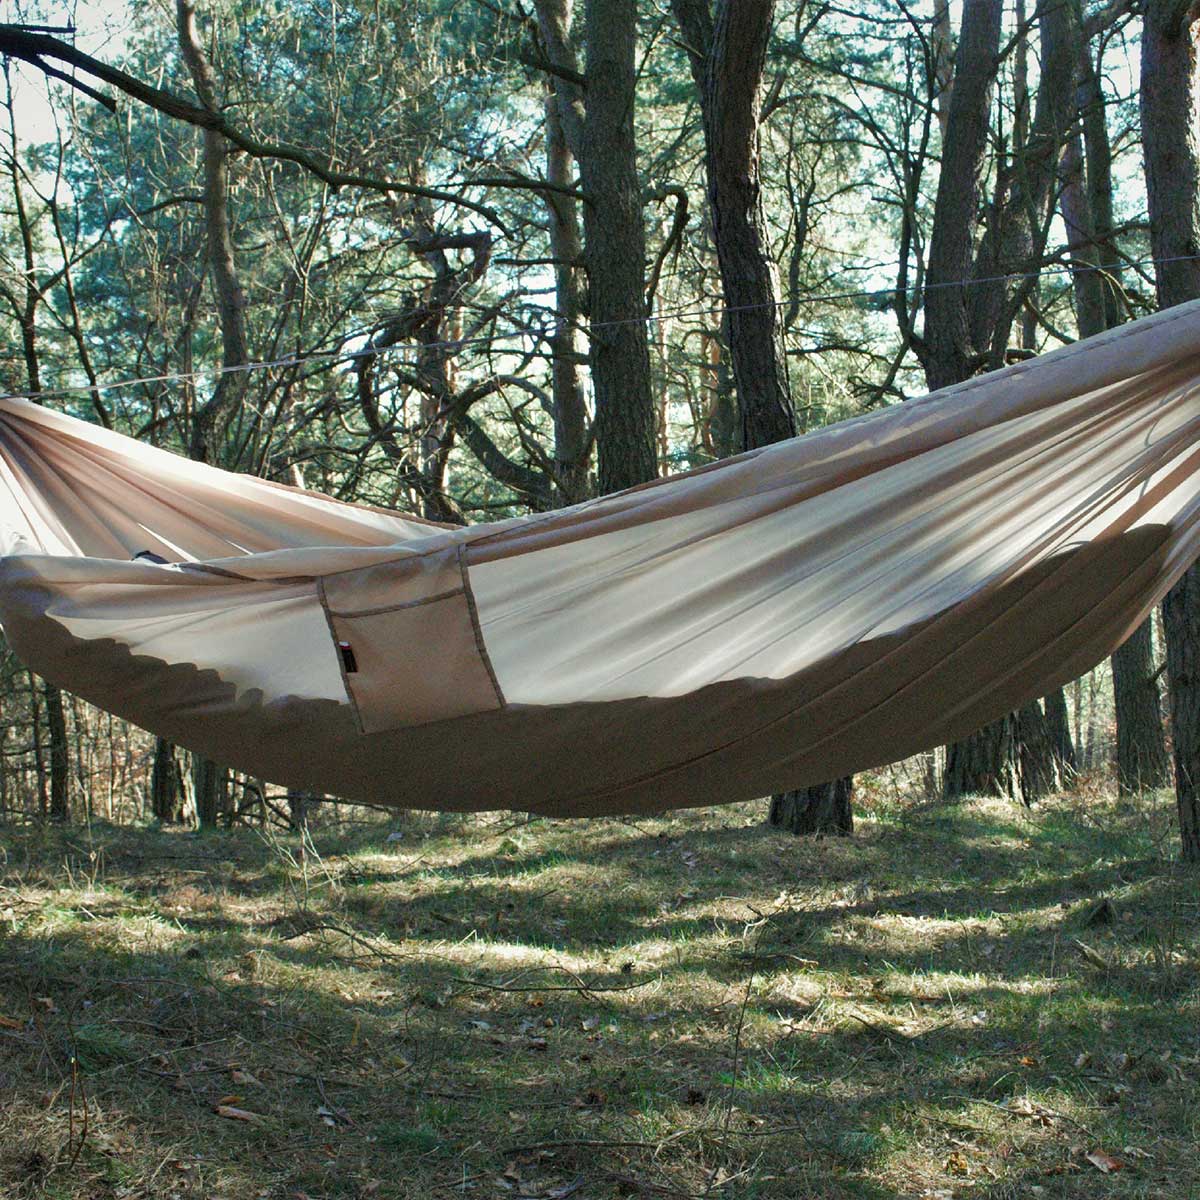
[{"x": 965, "y": 1001}]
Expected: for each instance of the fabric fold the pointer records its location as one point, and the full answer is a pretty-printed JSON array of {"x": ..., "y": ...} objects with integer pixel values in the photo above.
[{"x": 814, "y": 608}]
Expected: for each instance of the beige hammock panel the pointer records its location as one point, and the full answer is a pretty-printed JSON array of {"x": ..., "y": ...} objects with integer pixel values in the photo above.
[{"x": 780, "y": 618}]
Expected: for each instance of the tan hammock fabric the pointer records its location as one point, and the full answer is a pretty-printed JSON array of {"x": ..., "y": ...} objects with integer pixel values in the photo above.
[{"x": 793, "y": 614}]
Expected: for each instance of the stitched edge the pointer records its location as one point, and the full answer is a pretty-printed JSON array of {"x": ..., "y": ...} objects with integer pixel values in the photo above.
[
  {"x": 480, "y": 645},
  {"x": 351, "y": 614},
  {"x": 350, "y": 696}
]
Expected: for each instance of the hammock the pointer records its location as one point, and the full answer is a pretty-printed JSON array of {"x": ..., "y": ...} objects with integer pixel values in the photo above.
[{"x": 794, "y": 614}]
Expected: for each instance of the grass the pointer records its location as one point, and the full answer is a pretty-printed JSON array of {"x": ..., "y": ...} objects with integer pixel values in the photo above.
[{"x": 942, "y": 1006}]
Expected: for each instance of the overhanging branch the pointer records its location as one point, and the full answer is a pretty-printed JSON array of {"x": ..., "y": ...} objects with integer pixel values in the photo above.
[{"x": 32, "y": 47}]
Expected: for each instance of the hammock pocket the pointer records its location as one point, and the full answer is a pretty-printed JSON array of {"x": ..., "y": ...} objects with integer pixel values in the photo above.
[{"x": 787, "y": 616}]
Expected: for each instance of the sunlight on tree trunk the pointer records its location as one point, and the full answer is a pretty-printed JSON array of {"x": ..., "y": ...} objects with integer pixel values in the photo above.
[{"x": 1171, "y": 138}]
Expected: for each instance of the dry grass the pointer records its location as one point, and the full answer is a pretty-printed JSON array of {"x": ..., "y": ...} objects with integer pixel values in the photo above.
[{"x": 690, "y": 1006}]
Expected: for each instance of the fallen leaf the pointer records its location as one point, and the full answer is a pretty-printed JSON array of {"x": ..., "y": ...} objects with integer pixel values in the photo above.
[
  {"x": 238, "y": 1114},
  {"x": 9, "y": 1023},
  {"x": 957, "y": 1164},
  {"x": 1104, "y": 1162}
]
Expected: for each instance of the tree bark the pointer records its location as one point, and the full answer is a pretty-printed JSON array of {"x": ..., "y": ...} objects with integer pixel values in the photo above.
[
  {"x": 60, "y": 763},
  {"x": 164, "y": 783},
  {"x": 1036, "y": 753},
  {"x": 1170, "y": 104},
  {"x": 946, "y": 352},
  {"x": 822, "y": 809},
  {"x": 572, "y": 447},
  {"x": 615, "y": 251},
  {"x": 600, "y": 133},
  {"x": 985, "y": 763},
  {"x": 209, "y": 788},
  {"x": 1086, "y": 204},
  {"x": 1059, "y": 724},
  {"x": 727, "y": 55},
  {"x": 1142, "y": 761},
  {"x": 209, "y": 418}
]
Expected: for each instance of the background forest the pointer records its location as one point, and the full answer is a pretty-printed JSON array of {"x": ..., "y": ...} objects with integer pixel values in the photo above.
[
  {"x": 472, "y": 260},
  {"x": 478, "y": 258}
]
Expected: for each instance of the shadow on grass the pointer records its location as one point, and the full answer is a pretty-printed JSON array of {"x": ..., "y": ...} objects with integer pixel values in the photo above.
[{"x": 905, "y": 1011}]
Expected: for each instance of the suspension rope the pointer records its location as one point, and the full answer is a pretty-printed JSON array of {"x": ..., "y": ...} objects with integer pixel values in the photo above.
[{"x": 333, "y": 357}]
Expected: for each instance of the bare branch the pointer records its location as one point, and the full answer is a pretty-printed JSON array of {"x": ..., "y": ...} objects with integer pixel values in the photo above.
[{"x": 16, "y": 42}]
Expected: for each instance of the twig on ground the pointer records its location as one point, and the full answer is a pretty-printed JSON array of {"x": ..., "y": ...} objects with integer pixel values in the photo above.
[
  {"x": 582, "y": 1143},
  {"x": 1035, "y": 1110}
]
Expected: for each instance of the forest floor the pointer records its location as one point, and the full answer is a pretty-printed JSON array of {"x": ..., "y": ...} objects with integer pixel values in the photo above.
[{"x": 971, "y": 1001}]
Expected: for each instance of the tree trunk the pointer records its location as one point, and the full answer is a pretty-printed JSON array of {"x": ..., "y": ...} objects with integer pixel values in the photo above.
[
  {"x": 616, "y": 251},
  {"x": 1018, "y": 221},
  {"x": 58, "y": 800},
  {"x": 945, "y": 349},
  {"x": 727, "y": 57},
  {"x": 1170, "y": 104},
  {"x": 822, "y": 809},
  {"x": 600, "y": 133},
  {"x": 1059, "y": 724},
  {"x": 1036, "y": 754},
  {"x": 1086, "y": 205},
  {"x": 39, "y": 752},
  {"x": 209, "y": 417},
  {"x": 969, "y": 329},
  {"x": 209, "y": 790},
  {"x": 164, "y": 783},
  {"x": 298, "y": 803},
  {"x": 986, "y": 763},
  {"x": 571, "y": 442},
  {"x": 60, "y": 763},
  {"x": 1181, "y": 619},
  {"x": 1141, "y": 746}
]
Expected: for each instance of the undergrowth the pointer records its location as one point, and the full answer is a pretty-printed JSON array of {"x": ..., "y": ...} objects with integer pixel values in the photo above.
[{"x": 970, "y": 1001}]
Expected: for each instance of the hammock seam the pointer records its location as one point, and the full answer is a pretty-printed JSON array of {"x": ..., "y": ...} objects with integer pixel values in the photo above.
[
  {"x": 381, "y": 609},
  {"x": 341, "y": 664},
  {"x": 477, "y": 629}
]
